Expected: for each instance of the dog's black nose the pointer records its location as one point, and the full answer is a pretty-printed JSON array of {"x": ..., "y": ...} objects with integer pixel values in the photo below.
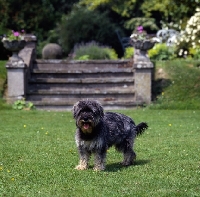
[{"x": 85, "y": 119}]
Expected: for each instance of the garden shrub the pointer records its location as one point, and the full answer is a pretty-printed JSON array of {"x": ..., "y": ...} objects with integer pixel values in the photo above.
[
  {"x": 4, "y": 52},
  {"x": 22, "y": 104},
  {"x": 191, "y": 34},
  {"x": 111, "y": 53},
  {"x": 195, "y": 53},
  {"x": 82, "y": 26},
  {"x": 92, "y": 51},
  {"x": 161, "y": 52},
  {"x": 188, "y": 39},
  {"x": 128, "y": 54}
]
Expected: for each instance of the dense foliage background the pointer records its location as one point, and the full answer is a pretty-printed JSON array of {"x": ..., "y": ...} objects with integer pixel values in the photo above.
[{"x": 69, "y": 22}]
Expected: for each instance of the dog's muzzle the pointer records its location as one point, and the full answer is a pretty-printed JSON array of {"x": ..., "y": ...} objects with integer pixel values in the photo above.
[{"x": 86, "y": 126}]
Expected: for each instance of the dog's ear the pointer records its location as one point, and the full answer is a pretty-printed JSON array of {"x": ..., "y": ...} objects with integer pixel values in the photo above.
[
  {"x": 100, "y": 109},
  {"x": 75, "y": 109}
]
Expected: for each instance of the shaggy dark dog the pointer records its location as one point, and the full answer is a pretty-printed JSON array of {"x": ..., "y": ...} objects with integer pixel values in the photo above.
[{"x": 97, "y": 131}]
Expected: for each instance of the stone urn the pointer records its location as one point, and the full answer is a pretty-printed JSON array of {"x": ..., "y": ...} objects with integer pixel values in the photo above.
[
  {"x": 141, "y": 58},
  {"x": 14, "y": 46},
  {"x": 143, "y": 45}
]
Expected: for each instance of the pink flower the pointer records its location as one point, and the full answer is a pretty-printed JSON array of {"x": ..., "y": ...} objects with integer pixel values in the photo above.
[
  {"x": 16, "y": 34},
  {"x": 140, "y": 29}
]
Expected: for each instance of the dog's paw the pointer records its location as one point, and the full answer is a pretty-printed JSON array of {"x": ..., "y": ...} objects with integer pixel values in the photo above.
[
  {"x": 81, "y": 167},
  {"x": 99, "y": 168}
]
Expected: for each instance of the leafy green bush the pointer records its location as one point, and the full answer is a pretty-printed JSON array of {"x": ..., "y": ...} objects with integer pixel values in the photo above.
[
  {"x": 84, "y": 57},
  {"x": 190, "y": 36},
  {"x": 195, "y": 53},
  {"x": 161, "y": 52},
  {"x": 83, "y": 25},
  {"x": 4, "y": 52},
  {"x": 129, "y": 51},
  {"x": 22, "y": 104},
  {"x": 111, "y": 53},
  {"x": 92, "y": 51}
]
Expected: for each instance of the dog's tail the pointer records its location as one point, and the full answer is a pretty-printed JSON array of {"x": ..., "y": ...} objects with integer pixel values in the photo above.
[{"x": 140, "y": 128}]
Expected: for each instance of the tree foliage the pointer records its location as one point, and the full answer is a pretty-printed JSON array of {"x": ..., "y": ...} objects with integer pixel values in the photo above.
[
  {"x": 170, "y": 11},
  {"x": 37, "y": 17},
  {"x": 162, "y": 11},
  {"x": 123, "y": 7},
  {"x": 130, "y": 11}
]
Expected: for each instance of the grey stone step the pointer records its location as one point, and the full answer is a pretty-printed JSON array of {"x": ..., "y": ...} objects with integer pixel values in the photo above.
[
  {"x": 105, "y": 106},
  {"x": 82, "y": 80},
  {"x": 81, "y": 91},
  {"x": 104, "y": 101},
  {"x": 81, "y": 70},
  {"x": 68, "y": 106},
  {"x": 97, "y": 75},
  {"x": 81, "y": 88},
  {"x": 68, "y": 97},
  {"x": 63, "y": 66}
]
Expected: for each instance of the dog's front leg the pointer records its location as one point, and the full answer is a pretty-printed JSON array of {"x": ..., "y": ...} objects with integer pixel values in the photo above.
[
  {"x": 99, "y": 161},
  {"x": 84, "y": 159}
]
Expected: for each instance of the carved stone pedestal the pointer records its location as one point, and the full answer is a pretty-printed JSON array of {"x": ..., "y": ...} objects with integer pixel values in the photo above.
[
  {"x": 15, "y": 80},
  {"x": 143, "y": 74}
]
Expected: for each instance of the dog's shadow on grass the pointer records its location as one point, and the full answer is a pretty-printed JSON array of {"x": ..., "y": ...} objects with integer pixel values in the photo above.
[{"x": 114, "y": 167}]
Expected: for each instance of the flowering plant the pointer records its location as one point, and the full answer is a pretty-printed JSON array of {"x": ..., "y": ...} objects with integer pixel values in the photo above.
[
  {"x": 185, "y": 41},
  {"x": 14, "y": 35},
  {"x": 139, "y": 34},
  {"x": 141, "y": 40},
  {"x": 188, "y": 43}
]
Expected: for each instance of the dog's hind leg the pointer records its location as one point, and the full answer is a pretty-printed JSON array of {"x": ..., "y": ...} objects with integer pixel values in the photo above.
[
  {"x": 129, "y": 155},
  {"x": 84, "y": 160}
]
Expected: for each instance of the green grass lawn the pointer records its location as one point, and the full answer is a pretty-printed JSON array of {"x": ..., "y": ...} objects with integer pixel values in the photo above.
[
  {"x": 38, "y": 156},
  {"x": 182, "y": 85}
]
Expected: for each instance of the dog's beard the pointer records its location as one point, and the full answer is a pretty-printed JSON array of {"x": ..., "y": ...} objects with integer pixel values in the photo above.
[
  {"x": 86, "y": 126},
  {"x": 87, "y": 120}
]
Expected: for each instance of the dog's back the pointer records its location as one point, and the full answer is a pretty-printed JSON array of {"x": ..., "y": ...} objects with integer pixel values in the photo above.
[{"x": 121, "y": 124}]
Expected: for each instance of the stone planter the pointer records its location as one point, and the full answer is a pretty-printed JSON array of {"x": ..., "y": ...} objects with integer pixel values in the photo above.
[
  {"x": 141, "y": 58},
  {"x": 15, "y": 70},
  {"x": 143, "y": 69},
  {"x": 15, "y": 46},
  {"x": 143, "y": 45}
]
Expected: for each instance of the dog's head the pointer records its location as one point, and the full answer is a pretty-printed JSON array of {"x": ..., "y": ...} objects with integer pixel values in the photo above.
[{"x": 87, "y": 114}]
